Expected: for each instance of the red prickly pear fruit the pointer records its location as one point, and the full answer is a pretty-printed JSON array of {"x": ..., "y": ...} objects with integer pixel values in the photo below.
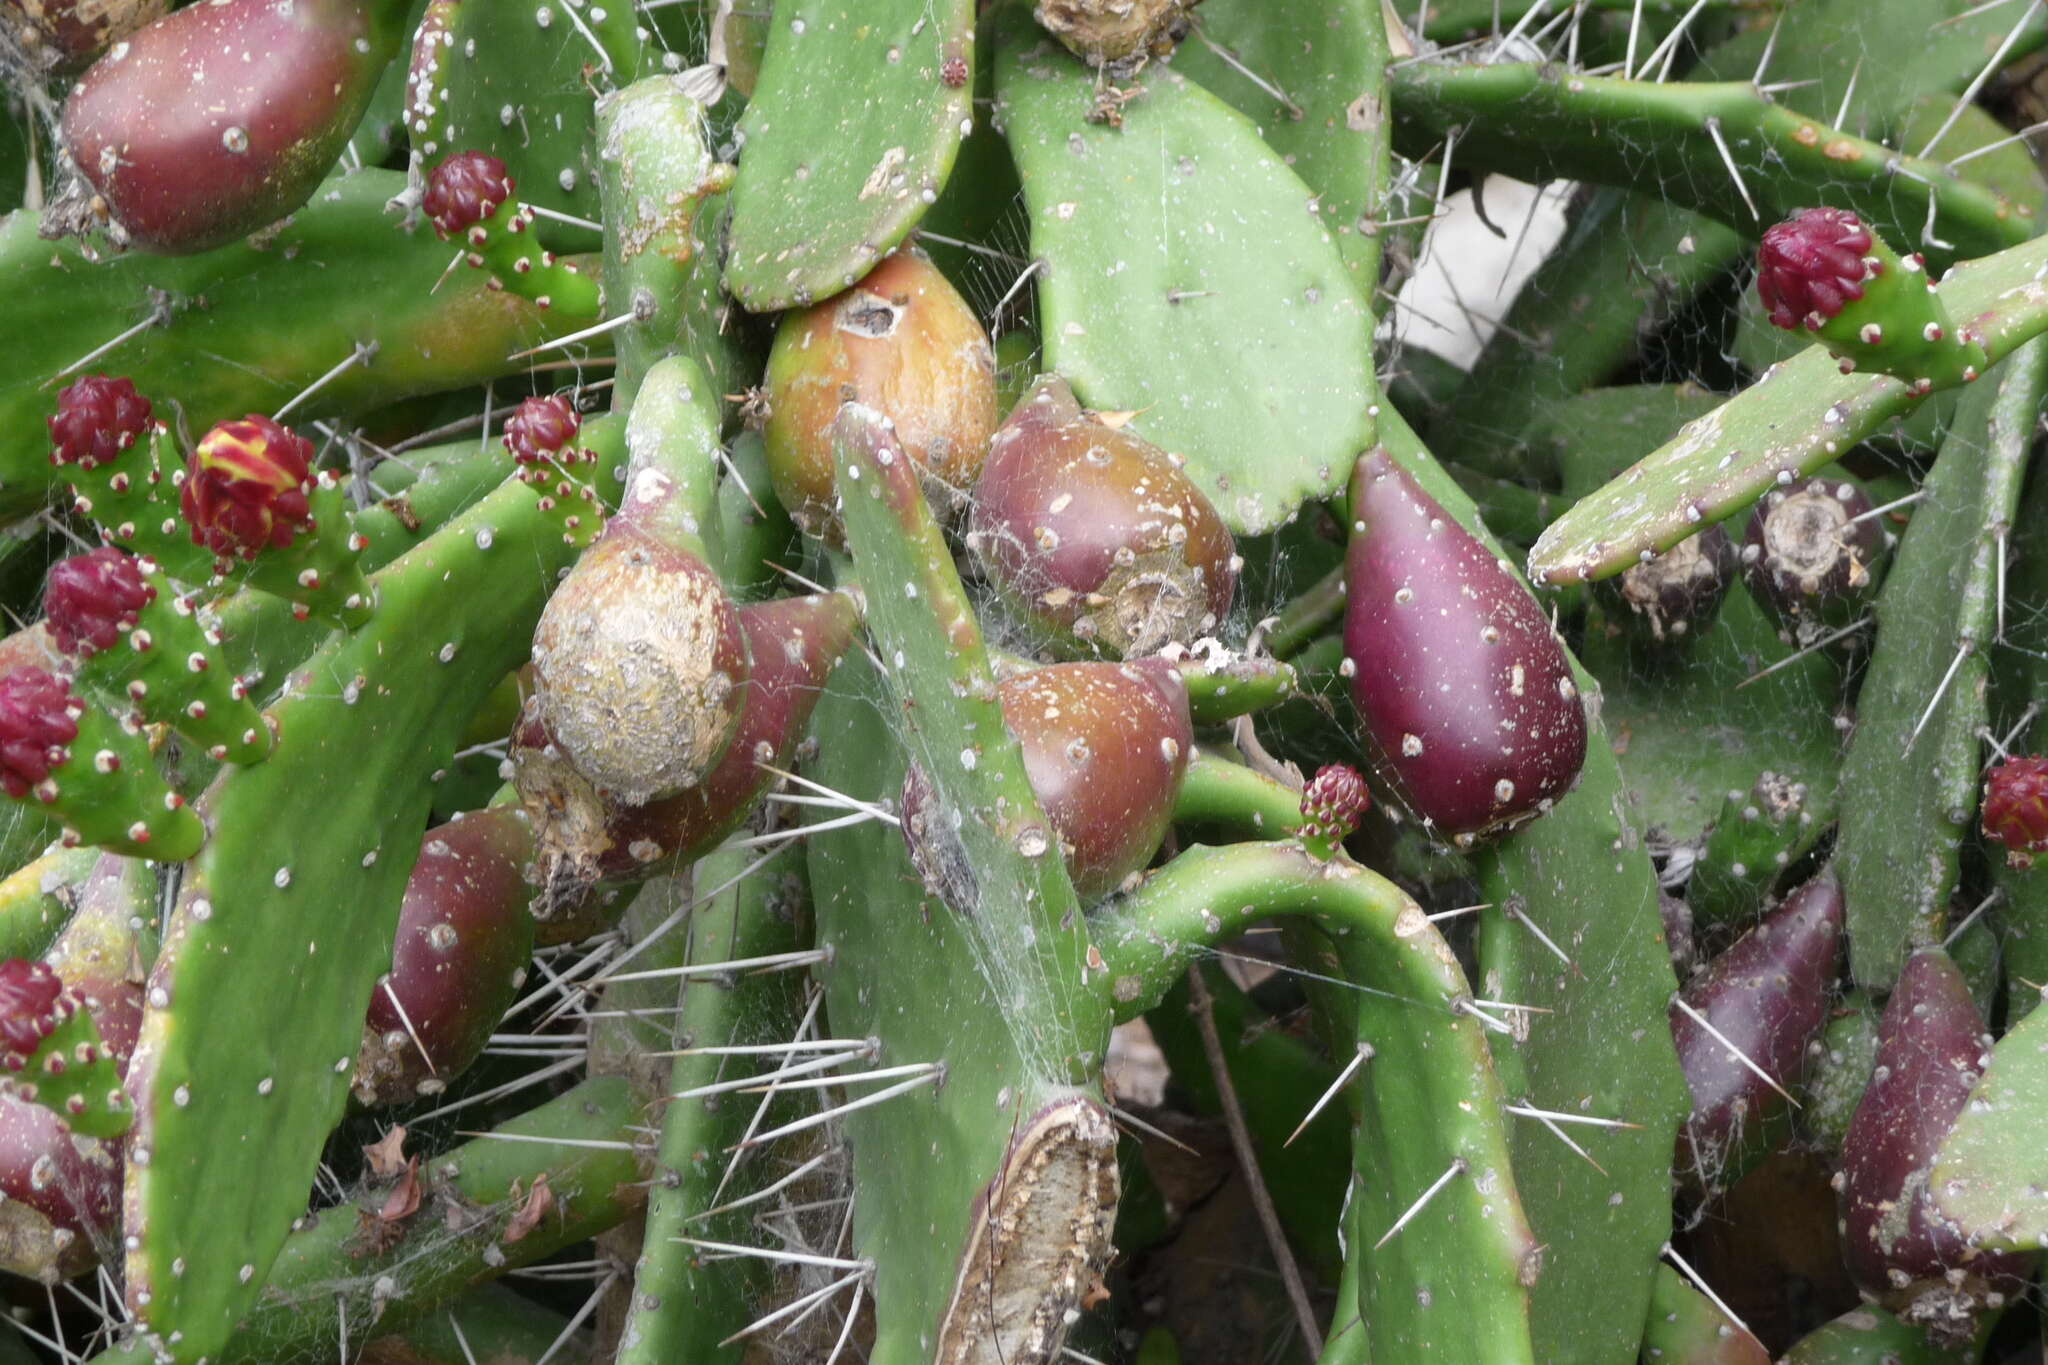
[
  {"x": 904, "y": 343},
  {"x": 247, "y": 487},
  {"x": 465, "y": 935},
  {"x": 91, "y": 599},
  {"x": 1932, "y": 1048},
  {"x": 465, "y": 189},
  {"x": 2015, "y": 809},
  {"x": 1105, "y": 748},
  {"x": 1332, "y": 804},
  {"x": 794, "y": 642},
  {"x": 1096, "y": 534},
  {"x": 219, "y": 119},
  {"x": 1679, "y": 590},
  {"x": 639, "y": 665},
  {"x": 97, "y": 418},
  {"x": 64, "y": 35},
  {"x": 38, "y": 721},
  {"x": 1811, "y": 555},
  {"x": 1467, "y": 696},
  {"x": 1768, "y": 996}
]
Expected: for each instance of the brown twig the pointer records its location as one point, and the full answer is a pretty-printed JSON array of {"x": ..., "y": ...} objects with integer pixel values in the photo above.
[{"x": 1241, "y": 1139}]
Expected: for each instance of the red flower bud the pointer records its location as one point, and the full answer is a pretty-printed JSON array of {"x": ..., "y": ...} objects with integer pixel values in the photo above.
[
  {"x": 91, "y": 597},
  {"x": 1333, "y": 802},
  {"x": 1811, "y": 266},
  {"x": 29, "y": 992},
  {"x": 465, "y": 189},
  {"x": 97, "y": 418},
  {"x": 2016, "y": 807},
  {"x": 36, "y": 723},
  {"x": 541, "y": 429},
  {"x": 246, "y": 487}
]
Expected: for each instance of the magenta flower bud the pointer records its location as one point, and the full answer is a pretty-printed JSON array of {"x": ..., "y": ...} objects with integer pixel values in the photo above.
[
  {"x": 463, "y": 190},
  {"x": 97, "y": 418},
  {"x": 2016, "y": 807},
  {"x": 37, "y": 722},
  {"x": 541, "y": 429},
  {"x": 1811, "y": 266},
  {"x": 29, "y": 995},
  {"x": 92, "y": 598},
  {"x": 1333, "y": 803}
]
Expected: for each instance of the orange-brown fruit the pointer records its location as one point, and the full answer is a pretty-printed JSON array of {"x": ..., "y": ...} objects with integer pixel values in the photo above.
[{"x": 906, "y": 344}]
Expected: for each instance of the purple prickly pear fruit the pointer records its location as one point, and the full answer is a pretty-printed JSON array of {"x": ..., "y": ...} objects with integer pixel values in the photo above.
[
  {"x": 1467, "y": 696},
  {"x": 794, "y": 642},
  {"x": 92, "y": 598},
  {"x": 1097, "y": 535},
  {"x": 1811, "y": 555},
  {"x": 97, "y": 418},
  {"x": 465, "y": 936},
  {"x": 64, "y": 35},
  {"x": 1680, "y": 589},
  {"x": 1105, "y": 748},
  {"x": 37, "y": 725},
  {"x": 639, "y": 665},
  {"x": 465, "y": 189},
  {"x": 1332, "y": 804},
  {"x": 219, "y": 119},
  {"x": 1823, "y": 270},
  {"x": 1768, "y": 996},
  {"x": 2015, "y": 808},
  {"x": 904, "y": 343},
  {"x": 1932, "y": 1047},
  {"x": 246, "y": 488}
]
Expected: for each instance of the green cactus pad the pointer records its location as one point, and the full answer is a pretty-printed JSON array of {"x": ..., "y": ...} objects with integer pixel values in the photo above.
[
  {"x": 1923, "y": 700},
  {"x": 359, "y": 733},
  {"x": 1185, "y": 281},
  {"x": 827, "y": 187},
  {"x": 1991, "y": 1170},
  {"x": 73, "y": 1076},
  {"x": 1800, "y": 416}
]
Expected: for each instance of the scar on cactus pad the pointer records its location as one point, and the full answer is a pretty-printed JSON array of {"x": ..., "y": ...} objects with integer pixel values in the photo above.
[{"x": 1825, "y": 271}]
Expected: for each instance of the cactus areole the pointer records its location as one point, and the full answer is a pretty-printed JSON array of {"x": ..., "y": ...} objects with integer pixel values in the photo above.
[{"x": 1467, "y": 697}]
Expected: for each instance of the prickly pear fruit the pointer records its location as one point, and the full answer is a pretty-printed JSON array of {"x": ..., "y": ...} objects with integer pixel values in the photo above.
[
  {"x": 1105, "y": 747},
  {"x": 51, "y": 1052},
  {"x": 219, "y": 119},
  {"x": 1096, "y": 534},
  {"x": 170, "y": 669},
  {"x": 903, "y": 342},
  {"x": 64, "y": 35},
  {"x": 1332, "y": 804},
  {"x": 469, "y": 198},
  {"x": 1467, "y": 696},
  {"x": 1679, "y": 590},
  {"x": 1931, "y": 1050},
  {"x": 464, "y": 939},
  {"x": 1768, "y": 997},
  {"x": 1812, "y": 554},
  {"x": 1825, "y": 271},
  {"x": 794, "y": 643},
  {"x": 94, "y": 773},
  {"x": 2015, "y": 807},
  {"x": 62, "y": 1188},
  {"x": 1115, "y": 32}
]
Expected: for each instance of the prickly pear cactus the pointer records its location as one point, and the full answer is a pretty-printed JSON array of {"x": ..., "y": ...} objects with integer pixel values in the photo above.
[{"x": 948, "y": 684}]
